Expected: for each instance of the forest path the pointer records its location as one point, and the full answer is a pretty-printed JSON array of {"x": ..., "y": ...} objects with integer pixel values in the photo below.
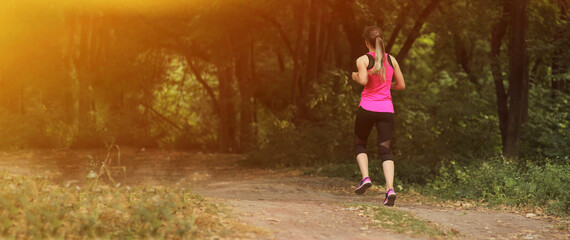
[{"x": 287, "y": 204}]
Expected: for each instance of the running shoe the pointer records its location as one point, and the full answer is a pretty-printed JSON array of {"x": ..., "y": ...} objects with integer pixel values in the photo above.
[
  {"x": 390, "y": 198},
  {"x": 364, "y": 184}
]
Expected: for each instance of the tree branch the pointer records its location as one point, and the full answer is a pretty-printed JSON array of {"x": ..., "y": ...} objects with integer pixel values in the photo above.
[
  {"x": 463, "y": 58},
  {"x": 162, "y": 117},
  {"x": 415, "y": 33},
  {"x": 400, "y": 21},
  {"x": 273, "y": 21},
  {"x": 209, "y": 89}
]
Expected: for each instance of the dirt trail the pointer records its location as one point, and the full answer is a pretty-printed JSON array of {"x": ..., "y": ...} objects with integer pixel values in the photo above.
[{"x": 287, "y": 204}]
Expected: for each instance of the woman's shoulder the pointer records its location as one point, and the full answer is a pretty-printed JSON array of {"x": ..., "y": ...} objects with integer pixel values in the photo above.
[
  {"x": 362, "y": 59},
  {"x": 394, "y": 61}
]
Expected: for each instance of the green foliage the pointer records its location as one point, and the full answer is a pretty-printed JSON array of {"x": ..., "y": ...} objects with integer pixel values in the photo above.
[
  {"x": 427, "y": 130},
  {"x": 351, "y": 171},
  {"x": 502, "y": 181},
  {"x": 348, "y": 171},
  {"x": 304, "y": 146},
  {"x": 547, "y": 132},
  {"x": 133, "y": 74},
  {"x": 439, "y": 120},
  {"x": 36, "y": 208},
  {"x": 327, "y": 140},
  {"x": 39, "y": 128}
]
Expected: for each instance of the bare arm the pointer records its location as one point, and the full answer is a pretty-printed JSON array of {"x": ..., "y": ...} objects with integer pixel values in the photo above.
[
  {"x": 361, "y": 77},
  {"x": 400, "y": 84}
]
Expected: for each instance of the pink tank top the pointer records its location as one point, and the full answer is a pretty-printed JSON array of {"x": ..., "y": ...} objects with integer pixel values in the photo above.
[{"x": 376, "y": 95}]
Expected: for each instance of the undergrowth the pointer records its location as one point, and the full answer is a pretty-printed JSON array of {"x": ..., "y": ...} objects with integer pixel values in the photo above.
[
  {"x": 502, "y": 181},
  {"x": 497, "y": 181},
  {"x": 33, "y": 207},
  {"x": 351, "y": 171}
]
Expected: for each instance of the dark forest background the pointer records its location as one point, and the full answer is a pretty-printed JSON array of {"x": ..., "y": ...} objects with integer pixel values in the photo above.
[{"x": 270, "y": 78}]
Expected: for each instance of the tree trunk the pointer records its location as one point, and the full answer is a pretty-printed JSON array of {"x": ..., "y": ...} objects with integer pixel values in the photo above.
[
  {"x": 69, "y": 99},
  {"x": 337, "y": 48},
  {"x": 560, "y": 63},
  {"x": 245, "y": 84},
  {"x": 253, "y": 86},
  {"x": 323, "y": 41},
  {"x": 344, "y": 10},
  {"x": 312, "y": 48},
  {"x": 227, "y": 109},
  {"x": 21, "y": 107},
  {"x": 311, "y": 62},
  {"x": 518, "y": 78},
  {"x": 496, "y": 38},
  {"x": 296, "y": 56},
  {"x": 86, "y": 125},
  {"x": 280, "y": 59}
]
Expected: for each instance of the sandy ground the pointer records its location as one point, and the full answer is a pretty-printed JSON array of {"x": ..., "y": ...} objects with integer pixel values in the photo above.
[{"x": 287, "y": 204}]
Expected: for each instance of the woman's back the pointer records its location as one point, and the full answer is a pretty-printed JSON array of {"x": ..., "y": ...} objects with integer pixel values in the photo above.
[{"x": 376, "y": 94}]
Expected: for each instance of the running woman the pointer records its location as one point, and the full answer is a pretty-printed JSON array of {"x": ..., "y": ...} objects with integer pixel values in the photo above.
[{"x": 376, "y": 69}]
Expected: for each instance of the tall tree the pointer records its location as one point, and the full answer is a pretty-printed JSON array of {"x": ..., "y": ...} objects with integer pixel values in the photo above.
[
  {"x": 518, "y": 78},
  {"x": 84, "y": 64},
  {"x": 560, "y": 59},
  {"x": 245, "y": 76},
  {"x": 512, "y": 105},
  {"x": 227, "y": 131},
  {"x": 498, "y": 32}
]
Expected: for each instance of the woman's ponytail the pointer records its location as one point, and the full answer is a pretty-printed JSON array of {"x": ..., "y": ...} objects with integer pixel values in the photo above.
[{"x": 379, "y": 59}]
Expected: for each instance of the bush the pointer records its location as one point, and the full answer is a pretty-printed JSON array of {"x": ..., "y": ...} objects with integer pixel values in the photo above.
[
  {"x": 307, "y": 145},
  {"x": 426, "y": 130},
  {"x": 39, "y": 128},
  {"x": 328, "y": 138},
  {"x": 33, "y": 207},
  {"x": 501, "y": 181},
  {"x": 440, "y": 120},
  {"x": 547, "y": 132},
  {"x": 404, "y": 172}
]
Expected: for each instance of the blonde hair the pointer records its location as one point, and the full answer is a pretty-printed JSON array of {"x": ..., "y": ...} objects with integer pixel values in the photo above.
[{"x": 373, "y": 36}]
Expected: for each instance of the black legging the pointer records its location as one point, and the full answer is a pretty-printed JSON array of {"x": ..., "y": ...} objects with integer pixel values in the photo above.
[{"x": 384, "y": 122}]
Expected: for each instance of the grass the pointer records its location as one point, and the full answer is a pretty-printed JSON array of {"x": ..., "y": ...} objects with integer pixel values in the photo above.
[
  {"x": 495, "y": 182},
  {"x": 403, "y": 222},
  {"x": 506, "y": 182},
  {"x": 34, "y": 207}
]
